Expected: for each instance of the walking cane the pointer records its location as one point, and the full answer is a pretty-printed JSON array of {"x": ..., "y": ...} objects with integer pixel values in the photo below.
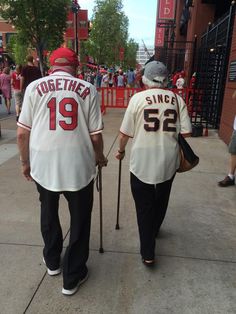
[
  {"x": 101, "y": 250},
  {"x": 118, "y": 197}
]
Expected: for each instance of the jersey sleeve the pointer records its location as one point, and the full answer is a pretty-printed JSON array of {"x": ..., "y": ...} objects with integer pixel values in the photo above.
[
  {"x": 25, "y": 119},
  {"x": 127, "y": 125},
  {"x": 185, "y": 123},
  {"x": 95, "y": 116}
]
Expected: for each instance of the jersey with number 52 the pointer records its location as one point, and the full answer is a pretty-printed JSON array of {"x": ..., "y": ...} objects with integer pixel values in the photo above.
[
  {"x": 61, "y": 112},
  {"x": 152, "y": 120}
]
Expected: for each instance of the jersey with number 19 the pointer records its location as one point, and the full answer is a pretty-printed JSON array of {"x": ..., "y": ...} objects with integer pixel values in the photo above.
[
  {"x": 152, "y": 120},
  {"x": 61, "y": 112}
]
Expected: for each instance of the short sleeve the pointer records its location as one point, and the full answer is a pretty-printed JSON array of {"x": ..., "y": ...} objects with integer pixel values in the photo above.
[
  {"x": 128, "y": 123},
  {"x": 95, "y": 116},
  {"x": 25, "y": 119},
  {"x": 185, "y": 123}
]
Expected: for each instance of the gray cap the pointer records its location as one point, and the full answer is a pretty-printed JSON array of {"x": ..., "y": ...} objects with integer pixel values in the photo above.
[{"x": 155, "y": 71}]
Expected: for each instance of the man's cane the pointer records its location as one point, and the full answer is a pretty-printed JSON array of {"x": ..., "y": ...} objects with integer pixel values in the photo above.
[
  {"x": 118, "y": 198},
  {"x": 101, "y": 250}
]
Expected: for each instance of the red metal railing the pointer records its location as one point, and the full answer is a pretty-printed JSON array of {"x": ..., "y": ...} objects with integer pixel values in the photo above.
[{"x": 116, "y": 97}]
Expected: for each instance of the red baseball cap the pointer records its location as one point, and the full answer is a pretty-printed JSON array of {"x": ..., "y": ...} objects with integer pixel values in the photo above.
[{"x": 64, "y": 53}]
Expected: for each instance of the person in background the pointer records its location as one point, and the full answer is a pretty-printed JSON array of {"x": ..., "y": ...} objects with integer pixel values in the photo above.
[
  {"x": 15, "y": 82},
  {"x": 130, "y": 78},
  {"x": 229, "y": 180},
  {"x": 180, "y": 83},
  {"x": 153, "y": 120},
  {"x": 120, "y": 79},
  {"x": 192, "y": 83},
  {"x": 98, "y": 79},
  {"x": 115, "y": 78},
  {"x": 105, "y": 79},
  {"x": 29, "y": 73},
  {"x": 138, "y": 78},
  {"x": 110, "y": 79},
  {"x": 5, "y": 86},
  {"x": 60, "y": 142}
]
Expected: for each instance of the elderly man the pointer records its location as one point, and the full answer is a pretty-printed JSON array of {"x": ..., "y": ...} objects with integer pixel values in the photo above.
[
  {"x": 153, "y": 119},
  {"x": 60, "y": 143}
]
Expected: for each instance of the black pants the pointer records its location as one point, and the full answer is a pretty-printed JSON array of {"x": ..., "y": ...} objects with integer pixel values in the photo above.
[
  {"x": 151, "y": 202},
  {"x": 80, "y": 205}
]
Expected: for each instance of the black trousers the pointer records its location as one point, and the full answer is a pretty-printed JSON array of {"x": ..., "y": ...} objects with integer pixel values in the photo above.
[
  {"x": 80, "y": 205},
  {"x": 151, "y": 202}
]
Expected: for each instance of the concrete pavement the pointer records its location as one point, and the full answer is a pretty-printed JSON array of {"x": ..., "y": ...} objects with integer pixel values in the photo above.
[{"x": 196, "y": 249}]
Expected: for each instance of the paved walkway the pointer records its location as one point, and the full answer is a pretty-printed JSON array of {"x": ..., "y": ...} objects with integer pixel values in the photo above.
[{"x": 196, "y": 250}]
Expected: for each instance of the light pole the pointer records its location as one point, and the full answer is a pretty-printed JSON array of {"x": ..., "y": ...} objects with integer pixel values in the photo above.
[{"x": 75, "y": 9}]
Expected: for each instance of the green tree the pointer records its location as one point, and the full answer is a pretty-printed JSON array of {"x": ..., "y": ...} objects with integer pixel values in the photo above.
[
  {"x": 41, "y": 23},
  {"x": 130, "y": 54},
  {"x": 109, "y": 31},
  {"x": 17, "y": 48}
]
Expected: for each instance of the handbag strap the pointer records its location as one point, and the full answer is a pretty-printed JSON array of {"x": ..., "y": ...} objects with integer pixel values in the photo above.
[
  {"x": 177, "y": 104},
  {"x": 177, "y": 108}
]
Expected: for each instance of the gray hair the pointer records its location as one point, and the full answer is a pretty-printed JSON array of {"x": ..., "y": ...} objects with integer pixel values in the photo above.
[{"x": 160, "y": 82}]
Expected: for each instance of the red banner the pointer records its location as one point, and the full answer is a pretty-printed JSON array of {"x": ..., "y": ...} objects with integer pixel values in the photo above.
[
  {"x": 159, "y": 37},
  {"x": 166, "y": 10},
  {"x": 121, "y": 53},
  {"x": 83, "y": 24},
  {"x": 82, "y": 19}
]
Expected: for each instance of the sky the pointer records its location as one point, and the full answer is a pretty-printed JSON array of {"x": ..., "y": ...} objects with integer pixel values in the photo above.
[{"x": 141, "y": 15}]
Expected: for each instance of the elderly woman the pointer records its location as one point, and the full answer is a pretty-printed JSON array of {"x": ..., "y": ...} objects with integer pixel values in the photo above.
[
  {"x": 153, "y": 120},
  {"x": 5, "y": 85}
]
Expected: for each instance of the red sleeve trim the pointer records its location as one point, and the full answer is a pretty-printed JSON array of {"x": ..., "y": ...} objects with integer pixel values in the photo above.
[
  {"x": 126, "y": 135},
  {"x": 96, "y": 132},
  {"x": 24, "y": 126}
]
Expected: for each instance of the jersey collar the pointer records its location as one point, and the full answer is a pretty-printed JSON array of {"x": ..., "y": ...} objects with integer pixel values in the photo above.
[{"x": 61, "y": 72}]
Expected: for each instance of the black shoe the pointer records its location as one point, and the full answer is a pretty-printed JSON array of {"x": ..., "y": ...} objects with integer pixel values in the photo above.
[
  {"x": 226, "y": 182},
  {"x": 75, "y": 289},
  {"x": 53, "y": 272},
  {"x": 148, "y": 263}
]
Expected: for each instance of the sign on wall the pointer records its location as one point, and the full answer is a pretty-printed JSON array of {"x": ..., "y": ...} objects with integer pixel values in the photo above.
[
  {"x": 159, "y": 36},
  {"x": 166, "y": 10},
  {"x": 232, "y": 71}
]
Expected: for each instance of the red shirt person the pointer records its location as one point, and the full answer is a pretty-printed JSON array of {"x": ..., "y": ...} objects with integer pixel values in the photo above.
[{"x": 29, "y": 73}]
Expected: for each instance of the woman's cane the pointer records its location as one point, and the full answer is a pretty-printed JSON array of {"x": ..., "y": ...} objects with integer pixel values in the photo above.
[
  {"x": 101, "y": 250},
  {"x": 118, "y": 198}
]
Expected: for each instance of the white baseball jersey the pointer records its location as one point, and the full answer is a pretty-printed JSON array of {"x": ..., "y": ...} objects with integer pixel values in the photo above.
[
  {"x": 61, "y": 112},
  {"x": 152, "y": 120}
]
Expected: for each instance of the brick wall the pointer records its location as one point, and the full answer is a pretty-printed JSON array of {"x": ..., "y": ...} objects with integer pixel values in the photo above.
[
  {"x": 229, "y": 105},
  {"x": 5, "y": 28}
]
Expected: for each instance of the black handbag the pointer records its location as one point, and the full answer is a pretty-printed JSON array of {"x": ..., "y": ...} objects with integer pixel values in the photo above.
[{"x": 188, "y": 159}]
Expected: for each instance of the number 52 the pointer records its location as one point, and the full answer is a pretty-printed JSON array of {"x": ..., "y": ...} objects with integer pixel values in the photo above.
[{"x": 153, "y": 122}]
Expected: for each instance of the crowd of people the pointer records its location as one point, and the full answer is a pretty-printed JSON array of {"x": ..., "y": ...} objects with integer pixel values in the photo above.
[
  {"x": 111, "y": 78},
  {"x": 15, "y": 82}
]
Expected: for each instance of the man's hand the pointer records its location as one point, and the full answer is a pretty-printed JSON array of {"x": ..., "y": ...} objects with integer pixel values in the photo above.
[
  {"x": 120, "y": 154},
  {"x": 25, "y": 168},
  {"x": 101, "y": 161}
]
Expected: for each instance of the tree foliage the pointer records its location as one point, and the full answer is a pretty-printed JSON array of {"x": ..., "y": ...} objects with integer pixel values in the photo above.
[
  {"x": 17, "y": 48},
  {"x": 130, "y": 54},
  {"x": 109, "y": 32},
  {"x": 41, "y": 23}
]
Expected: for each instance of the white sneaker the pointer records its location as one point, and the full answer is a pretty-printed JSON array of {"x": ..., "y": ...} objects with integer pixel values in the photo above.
[
  {"x": 52, "y": 272},
  {"x": 74, "y": 290}
]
